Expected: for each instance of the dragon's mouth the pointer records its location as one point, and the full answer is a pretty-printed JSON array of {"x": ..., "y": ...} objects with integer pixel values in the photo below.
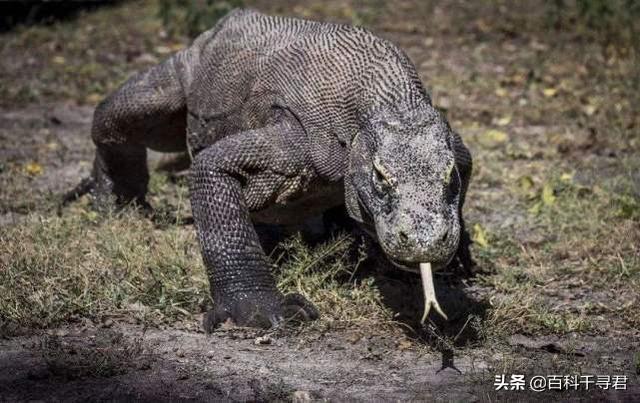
[
  {"x": 413, "y": 265},
  {"x": 402, "y": 265}
]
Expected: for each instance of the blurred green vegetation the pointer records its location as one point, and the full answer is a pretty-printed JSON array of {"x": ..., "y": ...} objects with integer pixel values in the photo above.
[
  {"x": 610, "y": 21},
  {"x": 192, "y": 17}
]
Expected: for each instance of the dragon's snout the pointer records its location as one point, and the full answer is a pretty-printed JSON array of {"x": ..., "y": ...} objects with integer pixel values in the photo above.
[{"x": 409, "y": 242}]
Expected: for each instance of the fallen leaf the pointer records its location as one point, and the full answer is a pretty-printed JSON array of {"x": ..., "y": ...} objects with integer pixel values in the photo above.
[
  {"x": 492, "y": 138},
  {"x": 539, "y": 45},
  {"x": 519, "y": 78},
  {"x": 567, "y": 177},
  {"x": 519, "y": 151},
  {"x": 94, "y": 98},
  {"x": 501, "y": 92},
  {"x": 482, "y": 25},
  {"x": 548, "y": 198},
  {"x": 550, "y": 92},
  {"x": 33, "y": 168},
  {"x": 59, "y": 60},
  {"x": 589, "y": 110},
  {"x": 163, "y": 50},
  {"x": 503, "y": 121},
  {"x": 526, "y": 187},
  {"x": 480, "y": 236},
  {"x": 175, "y": 47},
  {"x": 147, "y": 58},
  {"x": 567, "y": 85},
  {"x": 525, "y": 183},
  {"x": 535, "y": 209},
  {"x": 52, "y": 146},
  {"x": 404, "y": 345},
  {"x": 91, "y": 216}
]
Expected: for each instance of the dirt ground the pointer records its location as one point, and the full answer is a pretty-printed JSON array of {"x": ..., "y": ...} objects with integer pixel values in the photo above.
[
  {"x": 551, "y": 118},
  {"x": 233, "y": 365}
]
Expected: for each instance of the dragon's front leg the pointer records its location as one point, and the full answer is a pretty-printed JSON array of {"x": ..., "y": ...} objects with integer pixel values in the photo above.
[{"x": 236, "y": 175}]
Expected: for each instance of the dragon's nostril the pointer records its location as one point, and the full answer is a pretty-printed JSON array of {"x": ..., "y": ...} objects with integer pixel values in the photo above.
[
  {"x": 445, "y": 236},
  {"x": 404, "y": 238}
]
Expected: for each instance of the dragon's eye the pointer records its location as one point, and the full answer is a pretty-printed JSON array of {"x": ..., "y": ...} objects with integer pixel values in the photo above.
[{"x": 382, "y": 177}]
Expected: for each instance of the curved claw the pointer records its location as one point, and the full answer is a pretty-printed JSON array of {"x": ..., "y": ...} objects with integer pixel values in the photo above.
[
  {"x": 429, "y": 292},
  {"x": 102, "y": 200},
  {"x": 85, "y": 186},
  {"x": 297, "y": 309},
  {"x": 260, "y": 310}
]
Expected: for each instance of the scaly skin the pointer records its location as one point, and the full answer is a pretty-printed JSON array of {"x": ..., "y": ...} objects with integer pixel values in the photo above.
[{"x": 286, "y": 118}]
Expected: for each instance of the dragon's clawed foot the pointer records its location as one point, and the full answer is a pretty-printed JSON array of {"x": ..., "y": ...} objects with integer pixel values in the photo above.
[
  {"x": 260, "y": 309},
  {"x": 103, "y": 198}
]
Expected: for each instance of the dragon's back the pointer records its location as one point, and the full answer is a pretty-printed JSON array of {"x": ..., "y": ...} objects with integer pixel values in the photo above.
[{"x": 252, "y": 66}]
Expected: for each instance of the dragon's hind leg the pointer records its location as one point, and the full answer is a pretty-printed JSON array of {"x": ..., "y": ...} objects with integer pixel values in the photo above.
[{"x": 148, "y": 111}]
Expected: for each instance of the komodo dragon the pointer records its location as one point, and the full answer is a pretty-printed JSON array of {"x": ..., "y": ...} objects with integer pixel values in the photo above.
[{"x": 285, "y": 118}]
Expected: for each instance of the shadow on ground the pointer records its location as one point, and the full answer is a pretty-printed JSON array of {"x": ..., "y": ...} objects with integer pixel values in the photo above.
[{"x": 15, "y": 13}]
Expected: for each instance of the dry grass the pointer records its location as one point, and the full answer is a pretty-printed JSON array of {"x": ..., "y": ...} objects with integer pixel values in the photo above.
[
  {"x": 81, "y": 265},
  {"x": 579, "y": 257},
  {"x": 58, "y": 268},
  {"x": 326, "y": 275}
]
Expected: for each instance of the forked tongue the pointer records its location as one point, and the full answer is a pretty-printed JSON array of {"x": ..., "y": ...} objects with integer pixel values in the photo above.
[{"x": 429, "y": 292}]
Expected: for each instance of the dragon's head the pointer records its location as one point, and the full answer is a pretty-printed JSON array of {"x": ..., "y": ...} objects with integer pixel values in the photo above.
[{"x": 403, "y": 185}]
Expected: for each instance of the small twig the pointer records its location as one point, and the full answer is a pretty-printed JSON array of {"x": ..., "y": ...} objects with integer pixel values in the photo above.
[{"x": 463, "y": 327}]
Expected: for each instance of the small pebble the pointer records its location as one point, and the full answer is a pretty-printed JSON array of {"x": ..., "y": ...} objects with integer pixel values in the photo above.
[
  {"x": 211, "y": 354},
  {"x": 107, "y": 323},
  {"x": 262, "y": 340}
]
